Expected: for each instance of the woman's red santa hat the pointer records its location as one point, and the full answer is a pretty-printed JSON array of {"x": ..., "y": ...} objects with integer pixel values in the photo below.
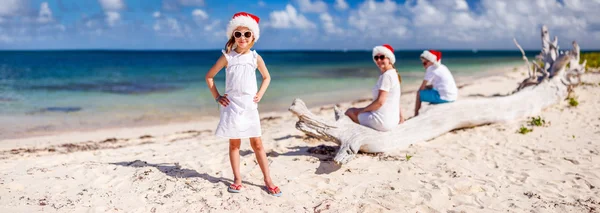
[
  {"x": 385, "y": 50},
  {"x": 432, "y": 55},
  {"x": 243, "y": 19}
]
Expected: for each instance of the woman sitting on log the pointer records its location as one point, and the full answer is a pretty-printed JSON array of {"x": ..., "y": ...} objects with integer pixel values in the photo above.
[{"x": 384, "y": 112}]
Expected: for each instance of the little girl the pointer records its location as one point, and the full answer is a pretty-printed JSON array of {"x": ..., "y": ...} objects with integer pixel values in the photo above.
[{"x": 239, "y": 114}]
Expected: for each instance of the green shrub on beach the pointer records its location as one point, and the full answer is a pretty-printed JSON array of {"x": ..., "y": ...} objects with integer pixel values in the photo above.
[
  {"x": 537, "y": 121},
  {"x": 524, "y": 130},
  {"x": 593, "y": 60},
  {"x": 573, "y": 102}
]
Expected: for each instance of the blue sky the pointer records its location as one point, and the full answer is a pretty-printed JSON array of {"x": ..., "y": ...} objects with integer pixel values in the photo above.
[{"x": 296, "y": 24}]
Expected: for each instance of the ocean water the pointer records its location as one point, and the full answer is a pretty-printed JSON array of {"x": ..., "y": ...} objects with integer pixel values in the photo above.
[{"x": 47, "y": 91}]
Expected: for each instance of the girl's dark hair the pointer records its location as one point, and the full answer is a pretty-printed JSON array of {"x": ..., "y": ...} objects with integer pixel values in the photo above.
[{"x": 229, "y": 44}]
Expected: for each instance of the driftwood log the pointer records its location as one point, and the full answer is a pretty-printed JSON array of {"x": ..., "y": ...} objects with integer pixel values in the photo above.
[{"x": 547, "y": 84}]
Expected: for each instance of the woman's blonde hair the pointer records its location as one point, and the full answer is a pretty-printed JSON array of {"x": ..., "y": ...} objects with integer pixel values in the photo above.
[
  {"x": 399, "y": 77},
  {"x": 231, "y": 43}
]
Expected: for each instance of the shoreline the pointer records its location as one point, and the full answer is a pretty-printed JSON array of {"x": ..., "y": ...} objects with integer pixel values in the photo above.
[{"x": 315, "y": 100}]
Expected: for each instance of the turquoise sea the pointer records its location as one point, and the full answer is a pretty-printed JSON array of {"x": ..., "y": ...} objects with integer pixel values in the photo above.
[{"x": 46, "y": 91}]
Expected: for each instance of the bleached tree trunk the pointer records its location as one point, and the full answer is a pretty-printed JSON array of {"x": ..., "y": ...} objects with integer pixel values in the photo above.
[{"x": 530, "y": 98}]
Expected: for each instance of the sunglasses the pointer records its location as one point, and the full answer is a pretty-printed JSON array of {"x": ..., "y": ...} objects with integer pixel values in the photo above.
[
  {"x": 238, "y": 34},
  {"x": 379, "y": 57}
]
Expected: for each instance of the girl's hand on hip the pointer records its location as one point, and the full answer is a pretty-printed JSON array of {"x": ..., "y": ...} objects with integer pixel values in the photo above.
[
  {"x": 257, "y": 98},
  {"x": 223, "y": 100}
]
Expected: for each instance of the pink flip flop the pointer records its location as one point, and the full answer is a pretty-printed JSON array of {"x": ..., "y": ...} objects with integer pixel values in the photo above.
[
  {"x": 234, "y": 188},
  {"x": 273, "y": 190}
]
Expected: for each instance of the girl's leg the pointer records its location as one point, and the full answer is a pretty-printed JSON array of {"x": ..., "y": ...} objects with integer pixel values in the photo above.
[
  {"x": 353, "y": 114},
  {"x": 234, "y": 159},
  {"x": 261, "y": 157}
]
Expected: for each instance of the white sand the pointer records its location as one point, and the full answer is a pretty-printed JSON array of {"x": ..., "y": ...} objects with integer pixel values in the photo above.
[{"x": 169, "y": 168}]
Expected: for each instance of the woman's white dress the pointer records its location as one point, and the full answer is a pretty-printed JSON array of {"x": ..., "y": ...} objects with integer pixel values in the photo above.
[{"x": 387, "y": 116}]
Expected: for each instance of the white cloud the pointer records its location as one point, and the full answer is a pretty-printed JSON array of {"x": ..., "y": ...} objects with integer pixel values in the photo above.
[
  {"x": 212, "y": 25},
  {"x": 199, "y": 14},
  {"x": 112, "y": 5},
  {"x": 341, "y": 5},
  {"x": 498, "y": 21},
  {"x": 379, "y": 20},
  {"x": 12, "y": 7},
  {"x": 173, "y": 25},
  {"x": 178, "y": 27},
  {"x": 6, "y": 38},
  {"x": 436, "y": 23},
  {"x": 50, "y": 28},
  {"x": 111, "y": 8},
  {"x": 461, "y": 5},
  {"x": 168, "y": 26},
  {"x": 176, "y": 5},
  {"x": 308, "y": 6},
  {"x": 329, "y": 25},
  {"x": 191, "y": 2},
  {"x": 289, "y": 18},
  {"x": 503, "y": 20},
  {"x": 90, "y": 23},
  {"x": 19, "y": 24},
  {"x": 488, "y": 23},
  {"x": 426, "y": 14},
  {"x": 45, "y": 14},
  {"x": 112, "y": 18},
  {"x": 453, "y": 21},
  {"x": 94, "y": 25},
  {"x": 185, "y": 27}
]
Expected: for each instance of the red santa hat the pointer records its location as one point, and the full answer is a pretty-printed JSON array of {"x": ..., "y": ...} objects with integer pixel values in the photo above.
[
  {"x": 432, "y": 55},
  {"x": 243, "y": 19},
  {"x": 385, "y": 50}
]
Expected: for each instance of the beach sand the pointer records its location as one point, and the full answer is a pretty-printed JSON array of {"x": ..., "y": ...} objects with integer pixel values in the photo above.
[{"x": 185, "y": 168}]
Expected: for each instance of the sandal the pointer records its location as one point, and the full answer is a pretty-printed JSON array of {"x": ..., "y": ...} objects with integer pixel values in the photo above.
[
  {"x": 234, "y": 188},
  {"x": 272, "y": 191}
]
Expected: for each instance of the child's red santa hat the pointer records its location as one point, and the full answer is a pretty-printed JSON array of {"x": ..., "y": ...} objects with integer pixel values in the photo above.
[
  {"x": 385, "y": 50},
  {"x": 432, "y": 55},
  {"x": 243, "y": 19}
]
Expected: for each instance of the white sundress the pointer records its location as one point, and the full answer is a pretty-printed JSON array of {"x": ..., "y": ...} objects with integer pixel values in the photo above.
[
  {"x": 387, "y": 116},
  {"x": 240, "y": 118}
]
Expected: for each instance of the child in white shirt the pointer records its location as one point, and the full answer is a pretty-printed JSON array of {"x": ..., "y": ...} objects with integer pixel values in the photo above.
[{"x": 443, "y": 87}]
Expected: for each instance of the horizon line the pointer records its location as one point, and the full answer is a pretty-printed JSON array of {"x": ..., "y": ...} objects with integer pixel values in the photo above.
[{"x": 274, "y": 50}]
